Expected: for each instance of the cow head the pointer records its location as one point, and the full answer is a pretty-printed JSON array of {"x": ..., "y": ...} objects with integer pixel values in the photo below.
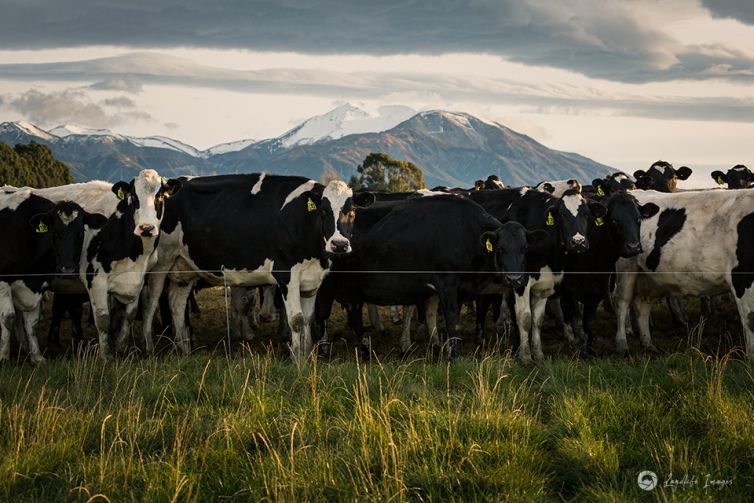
[
  {"x": 612, "y": 183},
  {"x": 624, "y": 216},
  {"x": 65, "y": 224},
  {"x": 144, "y": 199},
  {"x": 338, "y": 206},
  {"x": 737, "y": 177},
  {"x": 507, "y": 246},
  {"x": 661, "y": 176},
  {"x": 570, "y": 216}
]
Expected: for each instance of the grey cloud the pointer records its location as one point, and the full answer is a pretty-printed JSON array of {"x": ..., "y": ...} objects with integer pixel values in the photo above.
[
  {"x": 742, "y": 10},
  {"x": 600, "y": 38},
  {"x": 155, "y": 68},
  {"x": 119, "y": 102},
  {"x": 68, "y": 106},
  {"x": 124, "y": 84},
  {"x": 171, "y": 125}
]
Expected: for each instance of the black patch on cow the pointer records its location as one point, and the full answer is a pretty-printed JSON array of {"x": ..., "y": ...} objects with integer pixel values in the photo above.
[
  {"x": 743, "y": 273},
  {"x": 669, "y": 224}
]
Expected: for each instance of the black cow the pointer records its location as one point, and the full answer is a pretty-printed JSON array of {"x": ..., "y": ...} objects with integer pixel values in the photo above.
[
  {"x": 411, "y": 251},
  {"x": 661, "y": 176},
  {"x": 565, "y": 221},
  {"x": 737, "y": 177},
  {"x": 250, "y": 230},
  {"x": 588, "y": 274},
  {"x": 47, "y": 241}
]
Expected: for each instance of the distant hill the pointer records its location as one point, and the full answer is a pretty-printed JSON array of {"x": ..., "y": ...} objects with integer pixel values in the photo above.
[{"x": 453, "y": 148}]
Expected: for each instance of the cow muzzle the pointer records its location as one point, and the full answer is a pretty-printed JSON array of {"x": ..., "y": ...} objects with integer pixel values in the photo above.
[
  {"x": 514, "y": 280},
  {"x": 68, "y": 270},
  {"x": 146, "y": 230},
  {"x": 339, "y": 246},
  {"x": 631, "y": 249},
  {"x": 578, "y": 244}
]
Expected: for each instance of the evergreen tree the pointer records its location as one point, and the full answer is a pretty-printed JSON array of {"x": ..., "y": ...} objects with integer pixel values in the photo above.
[
  {"x": 31, "y": 165},
  {"x": 382, "y": 172}
]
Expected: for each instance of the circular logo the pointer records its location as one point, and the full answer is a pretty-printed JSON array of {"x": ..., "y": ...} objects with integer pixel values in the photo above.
[{"x": 647, "y": 480}]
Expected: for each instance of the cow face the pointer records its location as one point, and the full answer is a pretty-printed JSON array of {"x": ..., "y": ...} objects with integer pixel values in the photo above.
[
  {"x": 338, "y": 207},
  {"x": 65, "y": 225},
  {"x": 624, "y": 216},
  {"x": 507, "y": 246},
  {"x": 144, "y": 198},
  {"x": 615, "y": 182},
  {"x": 571, "y": 216},
  {"x": 661, "y": 176},
  {"x": 737, "y": 177}
]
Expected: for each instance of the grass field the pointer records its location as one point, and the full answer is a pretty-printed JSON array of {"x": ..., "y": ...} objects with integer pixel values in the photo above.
[{"x": 255, "y": 427}]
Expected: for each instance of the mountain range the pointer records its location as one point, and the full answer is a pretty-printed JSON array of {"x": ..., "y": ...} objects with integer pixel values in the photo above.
[{"x": 453, "y": 148}]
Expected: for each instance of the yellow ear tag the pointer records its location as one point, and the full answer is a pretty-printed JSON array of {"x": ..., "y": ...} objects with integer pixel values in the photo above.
[
  {"x": 41, "y": 228},
  {"x": 599, "y": 221},
  {"x": 488, "y": 245},
  {"x": 550, "y": 219},
  {"x": 720, "y": 180},
  {"x": 600, "y": 192},
  {"x": 310, "y": 205},
  {"x": 120, "y": 194}
]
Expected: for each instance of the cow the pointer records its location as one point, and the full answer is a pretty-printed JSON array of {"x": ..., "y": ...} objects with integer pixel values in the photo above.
[
  {"x": 614, "y": 182},
  {"x": 661, "y": 176},
  {"x": 442, "y": 247},
  {"x": 737, "y": 177},
  {"x": 73, "y": 304},
  {"x": 116, "y": 257},
  {"x": 672, "y": 262},
  {"x": 252, "y": 230},
  {"x": 46, "y": 241},
  {"x": 587, "y": 278},
  {"x": 564, "y": 221},
  {"x": 558, "y": 187}
]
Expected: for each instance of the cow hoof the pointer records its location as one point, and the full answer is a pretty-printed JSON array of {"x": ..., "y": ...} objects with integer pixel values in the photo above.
[
  {"x": 37, "y": 360},
  {"x": 324, "y": 350},
  {"x": 587, "y": 353},
  {"x": 651, "y": 349},
  {"x": 366, "y": 354},
  {"x": 526, "y": 360},
  {"x": 539, "y": 357}
]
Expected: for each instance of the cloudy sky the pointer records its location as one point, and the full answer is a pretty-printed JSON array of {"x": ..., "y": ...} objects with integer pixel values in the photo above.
[{"x": 624, "y": 82}]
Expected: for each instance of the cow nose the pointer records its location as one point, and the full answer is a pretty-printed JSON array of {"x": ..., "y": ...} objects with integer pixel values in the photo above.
[
  {"x": 633, "y": 249},
  {"x": 146, "y": 229},
  {"x": 579, "y": 243},
  {"x": 514, "y": 280},
  {"x": 339, "y": 245},
  {"x": 67, "y": 269}
]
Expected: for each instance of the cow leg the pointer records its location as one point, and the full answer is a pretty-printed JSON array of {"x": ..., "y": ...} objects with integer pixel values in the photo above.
[
  {"x": 98, "y": 300},
  {"x": 59, "y": 307},
  {"x": 624, "y": 293},
  {"x": 676, "y": 309},
  {"x": 31, "y": 318},
  {"x": 451, "y": 310},
  {"x": 178, "y": 294},
  {"x": 374, "y": 320},
  {"x": 7, "y": 320},
  {"x": 356, "y": 323},
  {"x": 125, "y": 329},
  {"x": 408, "y": 314},
  {"x": 523, "y": 320},
  {"x": 569, "y": 309},
  {"x": 267, "y": 311},
  {"x": 395, "y": 315},
  {"x": 482, "y": 306},
  {"x": 76, "y": 314},
  {"x": 300, "y": 345},
  {"x": 590, "y": 311},
  {"x": 154, "y": 286},
  {"x": 643, "y": 311},
  {"x": 308, "y": 304},
  {"x": 431, "y": 321},
  {"x": 538, "y": 306}
]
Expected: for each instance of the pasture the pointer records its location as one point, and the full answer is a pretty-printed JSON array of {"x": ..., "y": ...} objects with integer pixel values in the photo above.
[{"x": 256, "y": 427}]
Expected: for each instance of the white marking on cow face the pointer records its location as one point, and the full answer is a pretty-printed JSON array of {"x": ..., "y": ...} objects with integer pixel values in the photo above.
[
  {"x": 258, "y": 186},
  {"x": 498, "y": 183},
  {"x": 304, "y": 187},
  {"x": 67, "y": 218},
  {"x": 524, "y": 190},
  {"x": 572, "y": 203},
  {"x": 338, "y": 193},
  {"x": 146, "y": 186}
]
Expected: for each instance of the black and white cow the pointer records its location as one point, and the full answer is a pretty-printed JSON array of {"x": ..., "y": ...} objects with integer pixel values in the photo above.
[
  {"x": 251, "y": 230},
  {"x": 699, "y": 243},
  {"x": 117, "y": 256},
  {"x": 737, "y": 177},
  {"x": 587, "y": 278},
  {"x": 558, "y": 187},
  {"x": 46, "y": 241},
  {"x": 661, "y": 176},
  {"x": 564, "y": 220},
  {"x": 408, "y": 252},
  {"x": 614, "y": 182}
]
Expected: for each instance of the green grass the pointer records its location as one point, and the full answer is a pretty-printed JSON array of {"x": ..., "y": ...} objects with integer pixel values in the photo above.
[{"x": 255, "y": 427}]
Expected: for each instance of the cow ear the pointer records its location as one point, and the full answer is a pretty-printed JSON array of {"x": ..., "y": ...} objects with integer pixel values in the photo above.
[
  {"x": 548, "y": 187},
  {"x": 644, "y": 182},
  {"x": 120, "y": 189},
  {"x": 41, "y": 222},
  {"x": 639, "y": 173},
  {"x": 172, "y": 185},
  {"x": 600, "y": 185},
  {"x": 313, "y": 201},
  {"x": 719, "y": 177},
  {"x": 574, "y": 185},
  {"x": 648, "y": 210},
  {"x": 95, "y": 220},
  {"x": 598, "y": 209},
  {"x": 488, "y": 240},
  {"x": 363, "y": 199},
  {"x": 536, "y": 239},
  {"x": 551, "y": 215},
  {"x": 683, "y": 172},
  {"x": 478, "y": 185}
]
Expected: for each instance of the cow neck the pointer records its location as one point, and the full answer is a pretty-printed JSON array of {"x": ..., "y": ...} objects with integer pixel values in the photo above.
[{"x": 117, "y": 241}]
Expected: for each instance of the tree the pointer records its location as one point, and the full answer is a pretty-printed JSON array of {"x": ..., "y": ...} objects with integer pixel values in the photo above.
[
  {"x": 382, "y": 172},
  {"x": 31, "y": 165}
]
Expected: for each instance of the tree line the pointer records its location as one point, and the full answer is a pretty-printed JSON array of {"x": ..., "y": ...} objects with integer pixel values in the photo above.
[{"x": 31, "y": 165}]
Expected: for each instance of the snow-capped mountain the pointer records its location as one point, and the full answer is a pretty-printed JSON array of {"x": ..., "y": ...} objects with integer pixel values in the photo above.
[{"x": 453, "y": 148}]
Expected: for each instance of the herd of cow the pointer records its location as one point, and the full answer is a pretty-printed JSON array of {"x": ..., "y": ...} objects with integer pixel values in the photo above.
[{"x": 620, "y": 241}]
